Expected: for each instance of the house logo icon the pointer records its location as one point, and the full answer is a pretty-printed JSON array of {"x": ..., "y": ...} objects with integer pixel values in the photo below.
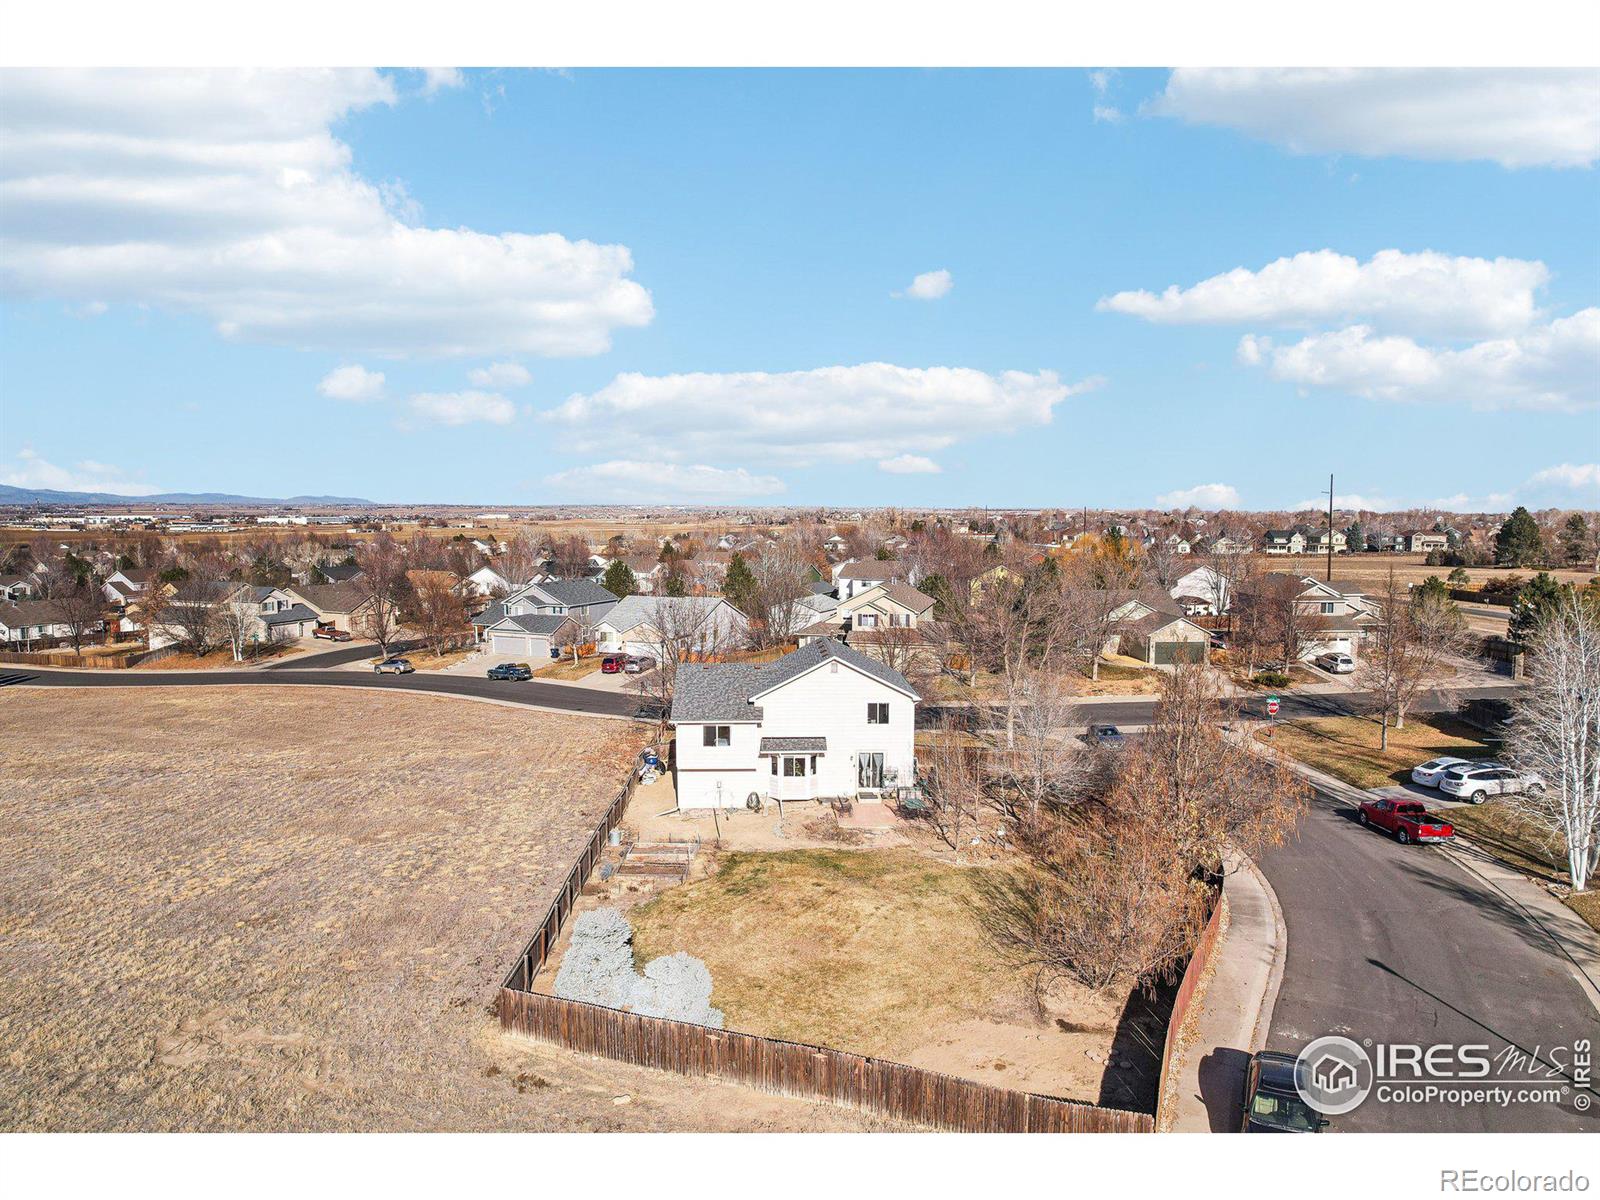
[{"x": 1333, "y": 1075}]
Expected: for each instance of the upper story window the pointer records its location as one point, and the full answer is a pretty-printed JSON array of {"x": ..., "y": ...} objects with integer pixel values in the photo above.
[
  {"x": 717, "y": 735},
  {"x": 877, "y": 714},
  {"x": 1327, "y": 608},
  {"x": 867, "y": 620}
]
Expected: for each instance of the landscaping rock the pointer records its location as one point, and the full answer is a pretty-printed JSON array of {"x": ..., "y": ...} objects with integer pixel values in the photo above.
[{"x": 598, "y": 969}]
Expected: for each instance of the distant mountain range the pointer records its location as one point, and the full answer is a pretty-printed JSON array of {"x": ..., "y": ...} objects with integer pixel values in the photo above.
[{"x": 16, "y": 495}]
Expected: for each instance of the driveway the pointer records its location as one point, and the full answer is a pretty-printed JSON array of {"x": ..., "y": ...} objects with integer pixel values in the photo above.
[{"x": 1399, "y": 944}]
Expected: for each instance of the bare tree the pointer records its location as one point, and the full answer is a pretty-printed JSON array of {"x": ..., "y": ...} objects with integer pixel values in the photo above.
[
  {"x": 1408, "y": 649},
  {"x": 383, "y": 583},
  {"x": 683, "y": 630},
  {"x": 438, "y": 610},
  {"x": 239, "y": 619},
  {"x": 571, "y": 556},
  {"x": 951, "y": 772},
  {"x": 521, "y": 560},
  {"x": 1112, "y": 892},
  {"x": 80, "y": 607},
  {"x": 1012, "y": 625},
  {"x": 1095, "y": 586},
  {"x": 1555, "y": 732},
  {"x": 779, "y": 587},
  {"x": 1039, "y": 761},
  {"x": 192, "y": 617}
]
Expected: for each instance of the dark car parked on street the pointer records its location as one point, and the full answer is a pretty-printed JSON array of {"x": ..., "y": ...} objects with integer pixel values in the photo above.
[
  {"x": 1272, "y": 1103},
  {"x": 1106, "y": 735},
  {"x": 516, "y": 672}
]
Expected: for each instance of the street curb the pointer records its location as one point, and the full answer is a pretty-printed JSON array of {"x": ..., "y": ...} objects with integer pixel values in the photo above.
[{"x": 1280, "y": 936}]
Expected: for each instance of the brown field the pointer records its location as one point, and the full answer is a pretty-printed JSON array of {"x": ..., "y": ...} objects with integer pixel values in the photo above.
[
  {"x": 289, "y": 909},
  {"x": 1370, "y": 572},
  {"x": 1348, "y": 747}
]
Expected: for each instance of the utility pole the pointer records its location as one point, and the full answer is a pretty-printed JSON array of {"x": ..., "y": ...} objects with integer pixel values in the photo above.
[{"x": 1330, "y": 527}]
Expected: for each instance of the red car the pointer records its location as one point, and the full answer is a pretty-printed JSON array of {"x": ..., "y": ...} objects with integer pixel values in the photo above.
[
  {"x": 613, "y": 663},
  {"x": 332, "y": 634},
  {"x": 1408, "y": 820}
]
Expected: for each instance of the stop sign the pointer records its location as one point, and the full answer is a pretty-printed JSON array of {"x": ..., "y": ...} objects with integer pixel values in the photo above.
[{"x": 1272, "y": 706}]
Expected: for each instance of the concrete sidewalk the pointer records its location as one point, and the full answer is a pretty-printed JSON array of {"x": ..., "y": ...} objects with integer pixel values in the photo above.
[{"x": 1231, "y": 1011}]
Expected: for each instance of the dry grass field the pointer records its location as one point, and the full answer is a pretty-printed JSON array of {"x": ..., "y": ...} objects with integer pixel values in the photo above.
[
  {"x": 1370, "y": 572},
  {"x": 1348, "y": 747},
  {"x": 289, "y": 909}
]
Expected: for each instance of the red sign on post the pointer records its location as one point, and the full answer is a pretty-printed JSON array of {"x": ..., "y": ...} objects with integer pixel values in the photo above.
[{"x": 1272, "y": 706}]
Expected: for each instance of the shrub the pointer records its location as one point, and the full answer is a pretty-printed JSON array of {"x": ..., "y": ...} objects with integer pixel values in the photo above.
[{"x": 1271, "y": 679}]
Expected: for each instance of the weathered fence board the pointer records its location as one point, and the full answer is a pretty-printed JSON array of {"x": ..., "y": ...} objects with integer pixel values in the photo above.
[{"x": 804, "y": 1071}]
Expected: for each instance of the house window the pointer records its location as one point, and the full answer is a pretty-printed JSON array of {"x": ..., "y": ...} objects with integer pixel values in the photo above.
[
  {"x": 717, "y": 735},
  {"x": 794, "y": 768},
  {"x": 877, "y": 714},
  {"x": 867, "y": 620},
  {"x": 774, "y": 764},
  {"x": 1327, "y": 608}
]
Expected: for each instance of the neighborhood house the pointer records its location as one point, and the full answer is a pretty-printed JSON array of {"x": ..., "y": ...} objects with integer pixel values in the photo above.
[{"x": 823, "y": 722}]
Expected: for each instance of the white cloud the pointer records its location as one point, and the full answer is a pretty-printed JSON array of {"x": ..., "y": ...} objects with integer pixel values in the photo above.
[
  {"x": 1518, "y": 118},
  {"x": 1205, "y": 495},
  {"x": 930, "y": 285},
  {"x": 30, "y": 471},
  {"x": 1573, "y": 477},
  {"x": 1354, "y": 501},
  {"x": 1550, "y": 367},
  {"x": 1100, "y": 79},
  {"x": 641, "y": 482},
  {"x": 1425, "y": 292},
  {"x": 831, "y": 414},
  {"x": 226, "y": 195},
  {"x": 500, "y": 375},
  {"x": 353, "y": 382},
  {"x": 463, "y": 408},
  {"x": 909, "y": 464},
  {"x": 1109, "y": 114},
  {"x": 437, "y": 79}
]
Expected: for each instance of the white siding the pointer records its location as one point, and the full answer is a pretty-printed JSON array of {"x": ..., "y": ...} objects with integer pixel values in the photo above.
[
  {"x": 831, "y": 702},
  {"x": 735, "y": 767}
]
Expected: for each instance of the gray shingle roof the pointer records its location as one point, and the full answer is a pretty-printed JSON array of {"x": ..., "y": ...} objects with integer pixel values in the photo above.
[
  {"x": 287, "y": 616},
  {"x": 494, "y": 611},
  {"x": 873, "y": 568},
  {"x": 794, "y": 745},
  {"x": 575, "y": 593},
  {"x": 723, "y": 691},
  {"x": 544, "y": 623}
]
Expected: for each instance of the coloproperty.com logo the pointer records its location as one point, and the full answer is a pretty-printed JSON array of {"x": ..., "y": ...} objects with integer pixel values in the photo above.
[{"x": 1335, "y": 1075}]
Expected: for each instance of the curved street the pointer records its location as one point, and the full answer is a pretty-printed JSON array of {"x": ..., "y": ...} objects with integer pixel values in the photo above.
[{"x": 1400, "y": 944}]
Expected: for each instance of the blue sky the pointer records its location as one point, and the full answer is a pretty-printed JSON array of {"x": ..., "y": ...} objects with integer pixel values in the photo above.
[{"x": 189, "y": 260}]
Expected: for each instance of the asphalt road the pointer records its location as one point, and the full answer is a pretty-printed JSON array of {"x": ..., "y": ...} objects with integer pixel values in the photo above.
[
  {"x": 1401, "y": 945},
  {"x": 534, "y": 692}
]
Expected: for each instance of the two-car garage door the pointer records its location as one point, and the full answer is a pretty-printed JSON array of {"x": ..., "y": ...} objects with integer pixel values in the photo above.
[{"x": 534, "y": 647}]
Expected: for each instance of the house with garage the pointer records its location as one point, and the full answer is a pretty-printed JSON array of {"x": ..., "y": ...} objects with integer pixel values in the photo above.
[
  {"x": 1323, "y": 618},
  {"x": 124, "y": 587},
  {"x": 542, "y": 616},
  {"x": 343, "y": 606},
  {"x": 1162, "y": 637},
  {"x": 892, "y": 622},
  {"x": 693, "y": 625},
  {"x": 279, "y": 616},
  {"x": 825, "y": 722},
  {"x": 531, "y": 637},
  {"x": 16, "y": 587}
]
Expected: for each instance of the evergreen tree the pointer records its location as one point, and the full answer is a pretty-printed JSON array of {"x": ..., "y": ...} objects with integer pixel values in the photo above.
[
  {"x": 675, "y": 586},
  {"x": 619, "y": 580},
  {"x": 740, "y": 585},
  {"x": 1355, "y": 538},
  {"x": 1537, "y": 599},
  {"x": 1575, "y": 540},
  {"x": 1517, "y": 543}
]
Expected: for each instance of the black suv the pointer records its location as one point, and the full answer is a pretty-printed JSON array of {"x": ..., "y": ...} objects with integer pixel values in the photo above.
[{"x": 517, "y": 672}]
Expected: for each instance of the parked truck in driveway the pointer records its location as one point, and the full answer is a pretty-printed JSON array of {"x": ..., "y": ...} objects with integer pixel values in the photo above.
[{"x": 1408, "y": 820}]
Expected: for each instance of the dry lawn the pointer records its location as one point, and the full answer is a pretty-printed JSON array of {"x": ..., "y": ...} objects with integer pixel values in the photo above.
[
  {"x": 881, "y": 952},
  {"x": 1347, "y": 747},
  {"x": 1370, "y": 572},
  {"x": 567, "y": 669},
  {"x": 288, "y": 909}
]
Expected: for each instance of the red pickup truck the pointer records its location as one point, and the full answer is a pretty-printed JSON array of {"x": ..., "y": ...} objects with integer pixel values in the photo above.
[{"x": 1408, "y": 820}]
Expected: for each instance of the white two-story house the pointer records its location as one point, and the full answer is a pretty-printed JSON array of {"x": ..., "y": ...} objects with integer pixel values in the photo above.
[
  {"x": 825, "y": 722},
  {"x": 542, "y": 616}
]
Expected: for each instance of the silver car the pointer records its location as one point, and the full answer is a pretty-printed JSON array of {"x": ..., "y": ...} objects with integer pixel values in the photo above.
[
  {"x": 1477, "y": 783},
  {"x": 1336, "y": 664}
]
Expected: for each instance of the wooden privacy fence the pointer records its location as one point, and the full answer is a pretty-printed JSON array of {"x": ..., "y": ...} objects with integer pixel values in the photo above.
[
  {"x": 808, "y": 1072},
  {"x": 768, "y": 1064},
  {"x": 537, "y": 950}
]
